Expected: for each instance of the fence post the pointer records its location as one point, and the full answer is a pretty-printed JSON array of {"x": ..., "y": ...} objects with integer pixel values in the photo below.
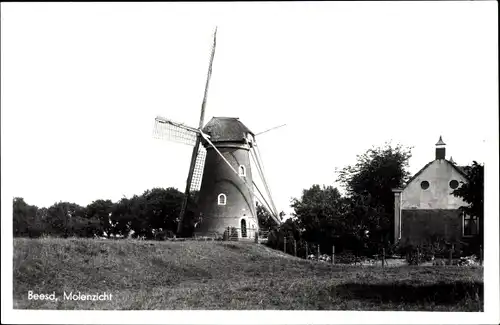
[
  {"x": 256, "y": 237},
  {"x": 318, "y": 252},
  {"x": 307, "y": 251},
  {"x": 284, "y": 245},
  {"x": 333, "y": 254},
  {"x": 383, "y": 257},
  {"x": 481, "y": 255},
  {"x": 295, "y": 248},
  {"x": 418, "y": 255},
  {"x": 451, "y": 254}
]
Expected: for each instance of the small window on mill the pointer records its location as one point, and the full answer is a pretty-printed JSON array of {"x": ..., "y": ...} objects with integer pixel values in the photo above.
[
  {"x": 221, "y": 199},
  {"x": 242, "y": 171},
  {"x": 453, "y": 184},
  {"x": 424, "y": 185}
]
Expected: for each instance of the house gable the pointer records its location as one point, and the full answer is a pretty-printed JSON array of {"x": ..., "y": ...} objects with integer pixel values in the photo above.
[{"x": 438, "y": 173}]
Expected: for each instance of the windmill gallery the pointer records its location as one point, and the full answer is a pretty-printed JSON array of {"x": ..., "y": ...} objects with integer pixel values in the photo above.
[{"x": 221, "y": 170}]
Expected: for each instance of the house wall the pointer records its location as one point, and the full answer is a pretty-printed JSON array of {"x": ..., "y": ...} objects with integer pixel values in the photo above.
[
  {"x": 219, "y": 178},
  {"x": 438, "y": 196},
  {"x": 420, "y": 226},
  {"x": 427, "y": 214}
]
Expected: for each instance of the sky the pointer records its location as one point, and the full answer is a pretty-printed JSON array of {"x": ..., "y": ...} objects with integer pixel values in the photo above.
[{"x": 83, "y": 82}]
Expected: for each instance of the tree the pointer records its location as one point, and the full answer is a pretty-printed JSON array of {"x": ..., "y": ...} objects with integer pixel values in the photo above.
[
  {"x": 160, "y": 210},
  {"x": 68, "y": 219},
  {"x": 154, "y": 214},
  {"x": 321, "y": 215},
  {"x": 24, "y": 219},
  {"x": 289, "y": 230},
  {"x": 472, "y": 192},
  {"x": 121, "y": 217},
  {"x": 40, "y": 228},
  {"x": 371, "y": 180},
  {"x": 266, "y": 222},
  {"x": 366, "y": 225},
  {"x": 100, "y": 212}
]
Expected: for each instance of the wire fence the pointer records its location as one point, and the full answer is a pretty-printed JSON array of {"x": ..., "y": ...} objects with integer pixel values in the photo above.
[{"x": 419, "y": 255}]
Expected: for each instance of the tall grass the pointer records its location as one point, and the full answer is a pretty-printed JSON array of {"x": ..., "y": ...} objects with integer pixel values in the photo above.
[{"x": 221, "y": 275}]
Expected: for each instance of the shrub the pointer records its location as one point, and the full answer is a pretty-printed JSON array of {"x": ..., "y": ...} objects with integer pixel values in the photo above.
[{"x": 346, "y": 257}]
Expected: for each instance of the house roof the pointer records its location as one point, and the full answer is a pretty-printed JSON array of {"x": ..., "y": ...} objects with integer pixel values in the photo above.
[
  {"x": 226, "y": 129},
  {"x": 459, "y": 169}
]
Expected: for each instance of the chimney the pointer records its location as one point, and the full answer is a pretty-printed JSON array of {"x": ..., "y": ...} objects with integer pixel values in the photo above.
[{"x": 440, "y": 149}]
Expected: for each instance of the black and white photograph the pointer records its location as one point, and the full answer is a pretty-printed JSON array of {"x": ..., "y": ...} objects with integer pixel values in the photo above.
[{"x": 250, "y": 162}]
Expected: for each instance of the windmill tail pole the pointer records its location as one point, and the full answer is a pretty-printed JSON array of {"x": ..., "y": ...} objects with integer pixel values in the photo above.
[
  {"x": 197, "y": 145},
  {"x": 188, "y": 186}
]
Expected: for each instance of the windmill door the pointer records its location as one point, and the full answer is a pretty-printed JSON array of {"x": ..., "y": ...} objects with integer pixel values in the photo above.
[{"x": 243, "y": 228}]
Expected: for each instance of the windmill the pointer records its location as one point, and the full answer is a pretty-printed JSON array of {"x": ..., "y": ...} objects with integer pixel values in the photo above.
[{"x": 220, "y": 169}]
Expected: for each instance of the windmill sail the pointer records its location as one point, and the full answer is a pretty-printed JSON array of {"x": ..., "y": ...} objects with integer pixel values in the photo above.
[
  {"x": 260, "y": 168},
  {"x": 168, "y": 130},
  {"x": 198, "y": 169}
]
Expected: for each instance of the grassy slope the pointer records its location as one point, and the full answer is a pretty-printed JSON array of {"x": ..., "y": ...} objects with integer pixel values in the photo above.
[{"x": 217, "y": 275}]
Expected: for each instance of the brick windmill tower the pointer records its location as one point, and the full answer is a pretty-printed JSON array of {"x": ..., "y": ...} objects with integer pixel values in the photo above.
[{"x": 221, "y": 170}]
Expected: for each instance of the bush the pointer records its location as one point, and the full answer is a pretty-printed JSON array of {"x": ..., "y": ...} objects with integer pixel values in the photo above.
[
  {"x": 163, "y": 234},
  {"x": 438, "y": 248},
  {"x": 346, "y": 257}
]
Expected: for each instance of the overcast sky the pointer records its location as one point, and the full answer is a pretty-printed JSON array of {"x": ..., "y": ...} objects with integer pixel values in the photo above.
[{"x": 83, "y": 82}]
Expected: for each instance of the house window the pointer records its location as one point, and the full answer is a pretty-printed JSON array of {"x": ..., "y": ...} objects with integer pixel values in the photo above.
[
  {"x": 453, "y": 184},
  {"x": 221, "y": 199},
  {"x": 424, "y": 185},
  {"x": 242, "y": 171},
  {"x": 470, "y": 225}
]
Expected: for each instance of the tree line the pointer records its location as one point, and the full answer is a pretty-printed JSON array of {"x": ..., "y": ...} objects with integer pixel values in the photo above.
[
  {"x": 152, "y": 215},
  {"x": 360, "y": 219}
]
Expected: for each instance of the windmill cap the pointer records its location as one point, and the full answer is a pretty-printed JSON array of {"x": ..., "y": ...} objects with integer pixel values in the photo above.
[
  {"x": 440, "y": 142},
  {"x": 226, "y": 129}
]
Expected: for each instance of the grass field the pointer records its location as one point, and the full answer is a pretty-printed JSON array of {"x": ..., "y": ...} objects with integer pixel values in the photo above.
[{"x": 220, "y": 275}]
